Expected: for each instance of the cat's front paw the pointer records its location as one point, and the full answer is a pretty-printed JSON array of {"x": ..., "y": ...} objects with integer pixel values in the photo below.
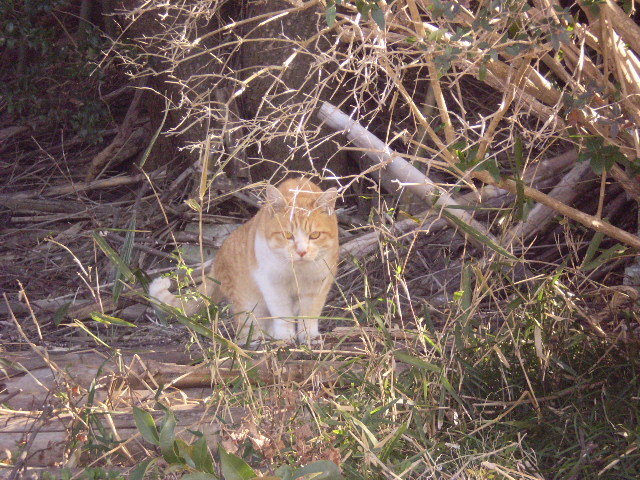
[
  {"x": 284, "y": 330},
  {"x": 310, "y": 338}
]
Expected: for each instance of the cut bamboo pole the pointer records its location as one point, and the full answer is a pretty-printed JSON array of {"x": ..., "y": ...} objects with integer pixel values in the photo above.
[
  {"x": 395, "y": 167},
  {"x": 565, "y": 191},
  {"x": 411, "y": 178}
]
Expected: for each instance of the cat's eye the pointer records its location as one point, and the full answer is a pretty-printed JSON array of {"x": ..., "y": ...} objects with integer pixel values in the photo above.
[
  {"x": 287, "y": 235},
  {"x": 314, "y": 235}
]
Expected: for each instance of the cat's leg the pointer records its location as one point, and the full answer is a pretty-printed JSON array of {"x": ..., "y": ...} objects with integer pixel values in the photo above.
[
  {"x": 253, "y": 326},
  {"x": 312, "y": 299},
  {"x": 251, "y": 315},
  {"x": 311, "y": 305},
  {"x": 281, "y": 308}
]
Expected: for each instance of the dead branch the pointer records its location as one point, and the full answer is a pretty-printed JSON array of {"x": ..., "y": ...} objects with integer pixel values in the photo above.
[
  {"x": 77, "y": 187},
  {"x": 50, "y": 436},
  {"x": 368, "y": 243},
  {"x": 565, "y": 192},
  {"x": 30, "y": 390},
  {"x": 8, "y": 132},
  {"x": 18, "y": 204},
  {"x": 587, "y": 220},
  {"x": 129, "y": 140}
]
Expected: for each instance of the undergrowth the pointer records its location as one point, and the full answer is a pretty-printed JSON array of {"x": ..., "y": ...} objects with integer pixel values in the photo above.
[
  {"x": 506, "y": 381},
  {"x": 526, "y": 369}
]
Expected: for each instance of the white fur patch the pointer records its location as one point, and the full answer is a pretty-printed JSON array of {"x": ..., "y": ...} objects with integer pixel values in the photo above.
[
  {"x": 282, "y": 282},
  {"x": 159, "y": 289}
]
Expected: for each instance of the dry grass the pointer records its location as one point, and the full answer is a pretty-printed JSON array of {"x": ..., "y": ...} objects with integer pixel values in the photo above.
[{"x": 447, "y": 359}]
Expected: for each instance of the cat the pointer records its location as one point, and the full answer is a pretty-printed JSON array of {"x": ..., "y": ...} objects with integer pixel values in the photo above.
[{"x": 276, "y": 269}]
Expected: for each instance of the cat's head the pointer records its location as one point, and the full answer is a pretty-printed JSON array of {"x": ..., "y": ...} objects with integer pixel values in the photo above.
[{"x": 301, "y": 224}]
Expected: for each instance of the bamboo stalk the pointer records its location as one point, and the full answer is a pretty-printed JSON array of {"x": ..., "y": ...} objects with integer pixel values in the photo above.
[
  {"x": 411, "y": 178},
  {"x": 570, "y": 212},
  {"x": 565, "y": 191},
  {"x": 398, "y": 168}
]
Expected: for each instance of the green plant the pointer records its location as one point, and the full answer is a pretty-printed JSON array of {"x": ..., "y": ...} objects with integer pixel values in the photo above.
[
  {"x": 46, "y": 63},
  {"x": 87, "y": 474},
  {"x": 365, "y": 7},
  {"x": 196, "y": 460},
  {"x": 603, "y": 157}
]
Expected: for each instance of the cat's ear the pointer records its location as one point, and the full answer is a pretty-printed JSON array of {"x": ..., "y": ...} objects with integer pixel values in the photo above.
[
  {"x": 275, "y": 199},
  {"x": 327, "y": 201}
]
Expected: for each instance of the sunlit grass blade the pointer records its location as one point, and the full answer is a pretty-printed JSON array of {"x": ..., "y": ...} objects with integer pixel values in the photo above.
[
  {"x": 521, "y": 199},
  {"x": 156, "y": 134},
  {"x": 609, "y": 254},
  {"x": 109, "y": 320},
  {"x": 480, "y": 237},
  {"x": 417, "y": 362},
  {"x": 113, "y": 256},
  {"x": 126, "y": 254},
  {"x": 84, "y": 328},
  {"x": 593, "y": 247}
]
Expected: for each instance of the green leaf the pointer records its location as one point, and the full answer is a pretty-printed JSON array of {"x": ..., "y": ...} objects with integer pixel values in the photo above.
[
  {"x": 199, "y": 476},
  {"x": 419, "y": 363},
  {"x": 113, "y": 256},
  {"x": 193, "y": 204},
  {"x": 146, "y": 425},
  {"x": 147, "y": 150},
  {"x": 593, "y": 247},
  {"x": 139, "y": 472},
  {"x": 323, "y": 470},
  {"x": 84, "y": 328},
  {"x": 449, "y": 388},
  {"x": 519, "y": 165},
  {"x": 491, "y": 166},
  {"x": 331, "y": 14},
  {"x": 167, "y": 439},
  {"x": 202, "y": 456},
  {"x": 233, "y": 467},
  {"x": 610, "y": 253},
  {"x": 601, "y": 157},
  {"x": 480, "y": 237},
  {"x": 126, "y": 253},
  {"x": 229, "y": 345},
  {"x": 61, "y": 313},
  {"x": 109, "y": 320},
  {"x": 389, "y": 447},
  {"x": 185, "y": 452},
  {"x": 467, "y": 291},
  {"x": 378, "y": 16},
  {"x": 482, "y": 72},
  {"x": 284, "y": 472}
]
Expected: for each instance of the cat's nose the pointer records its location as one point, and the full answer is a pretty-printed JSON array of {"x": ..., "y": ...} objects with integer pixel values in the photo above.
[{"x": 302, "y": 253}]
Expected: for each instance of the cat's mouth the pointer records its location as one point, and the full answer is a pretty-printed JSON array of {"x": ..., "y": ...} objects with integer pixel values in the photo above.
[{"x": 301, "y": 259}]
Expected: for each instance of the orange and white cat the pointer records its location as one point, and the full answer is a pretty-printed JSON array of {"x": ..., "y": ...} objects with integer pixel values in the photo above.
[{"x": 276, "y": 269}]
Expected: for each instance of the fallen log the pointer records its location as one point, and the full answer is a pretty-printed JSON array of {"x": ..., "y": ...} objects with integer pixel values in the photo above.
[
  {"x": 30, "y": 379},
  {"x": 38, "y": 429},
  {"x": 50, "y": 434},
  {"x": 541, "y": 215}
]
